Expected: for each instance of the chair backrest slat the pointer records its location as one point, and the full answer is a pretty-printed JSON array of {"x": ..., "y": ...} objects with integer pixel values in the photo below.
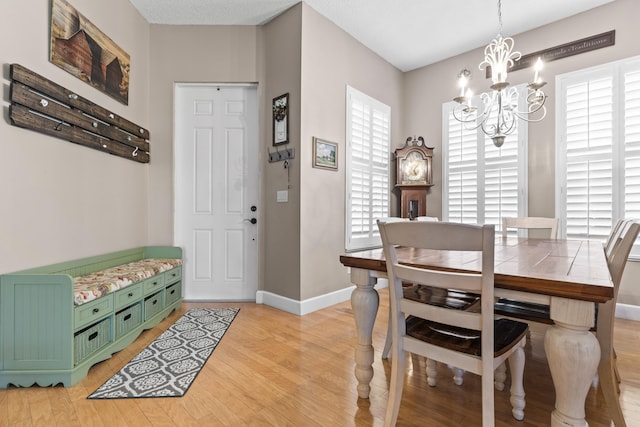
[
  {"x": 440, "y": 279},
  {"x": 531, "y": 222}
]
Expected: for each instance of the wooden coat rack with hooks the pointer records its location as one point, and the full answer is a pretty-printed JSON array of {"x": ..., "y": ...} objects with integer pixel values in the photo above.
[{"x": 41, "y": 105}]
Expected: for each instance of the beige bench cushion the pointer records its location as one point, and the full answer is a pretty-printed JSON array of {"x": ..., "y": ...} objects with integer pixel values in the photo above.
[{"x": 94, "y": 285}]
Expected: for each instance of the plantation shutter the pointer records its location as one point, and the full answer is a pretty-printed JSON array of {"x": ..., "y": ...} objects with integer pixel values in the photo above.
[
  {"x": 589, "y": 158},
  {"x": 503, "y": 174},
  {"x": 481, "y": 182},
  {"x": 460, "y": 163},
  {"x": 632, "y": 146},
  {"x": 368, "y": 139},
  {"x": 599, "y": 149}
]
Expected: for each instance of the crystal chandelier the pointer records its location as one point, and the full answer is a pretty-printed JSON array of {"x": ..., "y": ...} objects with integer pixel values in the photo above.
[{"x": 500, "y": 113}]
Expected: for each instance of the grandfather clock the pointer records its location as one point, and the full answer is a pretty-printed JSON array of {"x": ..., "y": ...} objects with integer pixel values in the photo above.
[{"x": 414, "y": 177}]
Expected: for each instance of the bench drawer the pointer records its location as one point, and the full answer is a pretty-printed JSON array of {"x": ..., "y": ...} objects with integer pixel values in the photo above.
[
  {"x": 91, "y": 339},
  {"x": 88, "y": 313},
  {"x": 153, "y": 284},
  {"x": 153, "y": 305},
  {"x": 173, "y": 275},
  {"x": 128, "y": 319},
  {"x": 128, "y": 295},
  {"x": 173, "y": 293}
]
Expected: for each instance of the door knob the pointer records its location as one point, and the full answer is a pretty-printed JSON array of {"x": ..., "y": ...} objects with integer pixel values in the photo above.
[{"x": 252, "y": 220}]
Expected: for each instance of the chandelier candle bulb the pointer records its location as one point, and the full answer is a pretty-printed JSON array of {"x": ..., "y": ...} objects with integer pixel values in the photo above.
[
  {"x": 463, "y": 83},
  {"x": 537, "y": 68}
]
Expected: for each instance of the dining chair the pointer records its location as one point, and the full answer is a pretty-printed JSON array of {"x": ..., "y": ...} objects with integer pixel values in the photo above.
[
  {"x": 520, "y": 309},
  {"x": 540, "y": 312},
  {"x": 531, "y": 222},
  {"x": 617, "y": 250},
  {"x": 473, "y": 340},
  {"x": 423, "y": 293}
]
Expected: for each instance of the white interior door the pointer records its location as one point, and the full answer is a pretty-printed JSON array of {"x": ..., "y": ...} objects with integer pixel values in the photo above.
[{"x": 216, "y": 190}]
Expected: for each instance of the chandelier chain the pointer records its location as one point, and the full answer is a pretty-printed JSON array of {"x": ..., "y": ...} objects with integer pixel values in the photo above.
[{"x": 500, "y": 17}]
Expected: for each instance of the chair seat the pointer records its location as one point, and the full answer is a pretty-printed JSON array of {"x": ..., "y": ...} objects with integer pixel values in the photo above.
[
  {"x": 450, "y": 298},
  {"x": 523, "y": 310},
  {"x": 507, "y": 333}
]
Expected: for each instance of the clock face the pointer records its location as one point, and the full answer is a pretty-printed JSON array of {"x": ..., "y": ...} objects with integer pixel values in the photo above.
[{"x": 414, "y": 169}]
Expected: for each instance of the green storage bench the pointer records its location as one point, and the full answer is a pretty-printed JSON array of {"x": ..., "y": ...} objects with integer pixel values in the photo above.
[{"x": 59, "y": 320}]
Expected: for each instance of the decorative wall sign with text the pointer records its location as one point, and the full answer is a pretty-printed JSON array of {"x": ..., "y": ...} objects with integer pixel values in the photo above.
[
  {"x": 80, "y": 48},
  {"x": 577, "y": 47}
]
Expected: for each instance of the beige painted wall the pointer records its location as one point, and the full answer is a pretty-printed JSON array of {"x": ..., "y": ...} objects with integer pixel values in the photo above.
[
  {"x": 280, "y": 229},
  {"x": 269, "y": 56},
  {"x": 426, "y": 89},
  {"x": 299, "y": 246},
  {"x": 325, "y": 74},
  {"x": 60, "y": 200},
  {"x": 187, "y": 54},
  {"x": 64, "y": 201}
]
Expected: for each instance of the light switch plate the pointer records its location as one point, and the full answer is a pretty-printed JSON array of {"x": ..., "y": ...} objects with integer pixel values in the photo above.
[{"x": 282, "y": 196}]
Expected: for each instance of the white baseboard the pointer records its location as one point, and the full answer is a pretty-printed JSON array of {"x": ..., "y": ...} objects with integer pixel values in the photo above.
[
  {"x": 628, "y": 311},
  {"x": 309, "y": 305},
  {"x": 623, "y": 311}
]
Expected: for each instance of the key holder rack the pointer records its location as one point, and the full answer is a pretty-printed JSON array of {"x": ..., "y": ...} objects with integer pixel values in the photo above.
[
  {"x": 46, "y": 107},
  {"x": 279, "y": 156}
]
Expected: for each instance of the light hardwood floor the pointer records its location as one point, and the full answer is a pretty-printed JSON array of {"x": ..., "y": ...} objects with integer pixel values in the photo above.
[{"x": 277, "y": 369}]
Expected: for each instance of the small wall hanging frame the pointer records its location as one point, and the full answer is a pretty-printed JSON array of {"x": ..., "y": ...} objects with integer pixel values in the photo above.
[{"x": 281, "y": 119}]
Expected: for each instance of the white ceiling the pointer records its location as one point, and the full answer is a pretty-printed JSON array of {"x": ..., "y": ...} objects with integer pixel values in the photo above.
[{"x": 407, "y": 33}]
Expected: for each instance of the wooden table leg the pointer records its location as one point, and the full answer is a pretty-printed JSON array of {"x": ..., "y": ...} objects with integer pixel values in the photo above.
[
  {"x": 364, "y": 301},
  {"x": 573, "y": 354}
]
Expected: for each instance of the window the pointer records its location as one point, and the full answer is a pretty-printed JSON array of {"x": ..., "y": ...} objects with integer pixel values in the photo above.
[
  {"x": 598, "y": 149},
  {"x": 368, "y": 133},
  {"x": 481, "y": 182}
]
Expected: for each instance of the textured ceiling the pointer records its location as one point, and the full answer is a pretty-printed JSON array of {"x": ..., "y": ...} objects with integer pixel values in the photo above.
[{"x": 407, "y": 33}]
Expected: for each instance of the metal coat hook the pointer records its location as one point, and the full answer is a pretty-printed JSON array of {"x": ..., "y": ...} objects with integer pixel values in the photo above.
[
  {"x": 57, "y": 126},
  {"x": 135, "y": 152}
]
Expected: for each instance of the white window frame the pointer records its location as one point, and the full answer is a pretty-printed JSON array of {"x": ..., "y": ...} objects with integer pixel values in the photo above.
[
  {"x": 481, "y": 139},
  {"x": 378, "y": 207},
  {"x": 616, "y": 71}
]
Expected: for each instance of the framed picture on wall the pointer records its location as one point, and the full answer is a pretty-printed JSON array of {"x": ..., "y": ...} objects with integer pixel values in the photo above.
[
  {"x": 281, "y": 119},
  {"x": 325, "y": 154},
  {"x": 80, "y": 48}
]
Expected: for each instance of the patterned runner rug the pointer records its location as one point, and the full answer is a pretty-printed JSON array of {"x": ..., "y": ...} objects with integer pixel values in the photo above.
[{"x": 168, "y": 366}]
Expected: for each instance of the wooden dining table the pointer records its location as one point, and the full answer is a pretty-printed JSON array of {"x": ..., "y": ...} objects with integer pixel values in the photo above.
[{"x": 571, "y": 276}]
